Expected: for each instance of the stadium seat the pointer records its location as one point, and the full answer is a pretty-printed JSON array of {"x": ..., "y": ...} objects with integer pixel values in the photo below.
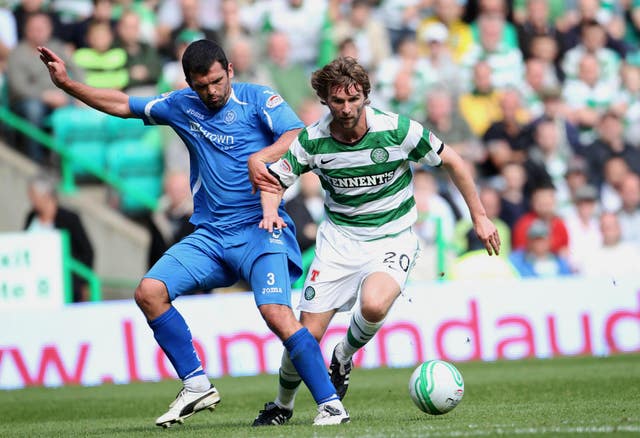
[{"x": 151, "y": 185}]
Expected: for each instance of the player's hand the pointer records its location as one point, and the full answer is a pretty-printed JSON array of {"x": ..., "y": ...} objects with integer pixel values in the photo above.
[
  {"x": 488, "y": 234},
  {"x": 270, "y": 222},
  {"x": 55, "y": 65},
  {"x": 260, "y": 177}
]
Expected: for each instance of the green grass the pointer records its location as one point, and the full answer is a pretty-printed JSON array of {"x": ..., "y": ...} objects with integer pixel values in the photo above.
[{"x": 559, "y": 397}]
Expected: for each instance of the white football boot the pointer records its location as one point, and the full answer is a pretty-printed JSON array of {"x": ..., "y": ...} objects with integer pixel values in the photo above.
[
  {"x": 188, "y": 403},
  {"x": 331, "y": 413}
]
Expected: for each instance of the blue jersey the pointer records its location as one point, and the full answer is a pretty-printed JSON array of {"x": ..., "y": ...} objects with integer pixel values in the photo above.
[{"x": 220, "y": 143}]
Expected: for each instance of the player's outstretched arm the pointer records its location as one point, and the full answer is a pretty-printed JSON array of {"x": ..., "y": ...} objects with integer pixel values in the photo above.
[
  {"x": 112, "y": 102},
  {"x": 270, "y": 217},
  {"x": 462, "y": 178},
  {"x": 258, "y": 173}
]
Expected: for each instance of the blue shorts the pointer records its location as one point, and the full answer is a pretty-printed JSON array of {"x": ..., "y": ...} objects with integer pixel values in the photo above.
[{"x": 210, "y": 258}]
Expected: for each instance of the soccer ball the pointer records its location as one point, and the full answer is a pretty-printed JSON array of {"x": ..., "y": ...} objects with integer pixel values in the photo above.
[{"x": 436, "y": 387}]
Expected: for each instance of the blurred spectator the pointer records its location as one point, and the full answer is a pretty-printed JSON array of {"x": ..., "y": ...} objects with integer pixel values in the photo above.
[
  {"x": 307, "y": 210},
  {"x": 628, "y": 102},
  {"x": 588, "y": 97},
  {"x": 582, "y": 225},
  {"x": 444, "y": 119},
  {"x": 232, "y": 28},
  {"x": 24, "y": 8},
  {"x": 534, "y": 86},
  {"x": 513, "y": 203},
  {"x": 405, "y": 99},
  {"x": 480, "y": 106},
  {"x": 435, "y": 215},
  {"x": 610, "y": 143},
  {"x": 542, "y": 207},
  {"x": 460, "y": 36},
  {"x": 505, "y": 60},
  {"x": 77, "y": 33},
  {"x": 8, "y": 41},
  {"x": 465, "y": 237},
  {"x": 143, "y": 63},
  {"x": 546, "y": 49},
  {"x": 191, "y": 21},
  {"x": 536, "y": 21},
  {"x": 368, "y": 33},
  {"x": 551, "y": 159},
  {"x": 300, "y": 20},
  {"x": 509, "y": 127},
  {"x": 615, "y": 257},
  {"x": 147, "y": 20},
  {"x": 442, "y": 71},
  {"x": 629, "y": 213},
  {"x": 170, "y": 222},
  {"x": 501, "y": 10},
  {"x": 246, "y": 67},
  {"x": 535, "y": 258},
  {"x": 593, "y": 41},
  {"x": 406, "y": 59},
  {"x": 31, "y": 93},
  {"x": 615, "y": 170},
  {"x": 104, "y": 66},
  {"x": 288, "y": 78},
  {"x": 47, "y": 214},
  {"x": 587, "y": 12},
  {"x": 172, "y": 77},
  {"x": 178, "y": 16},
  {"x": 311, "y": 110},
  {"x": 576, "y": 177},
  {"x": 401, "y": 18}
]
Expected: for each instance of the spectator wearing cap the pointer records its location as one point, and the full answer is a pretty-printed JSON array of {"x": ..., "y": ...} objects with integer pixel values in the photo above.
[
  {"x": 460, "y": 36},
  {"x": 536, "y": 259},
  {"x": 582, "y": 226},
  {"x": 543, "y": 207},
  {"x": 442, "y": 71},
  {"x": 576, "y": 176}
]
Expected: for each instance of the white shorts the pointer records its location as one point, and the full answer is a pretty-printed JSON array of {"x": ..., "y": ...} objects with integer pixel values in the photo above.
[{"x": 341, "y": 264}]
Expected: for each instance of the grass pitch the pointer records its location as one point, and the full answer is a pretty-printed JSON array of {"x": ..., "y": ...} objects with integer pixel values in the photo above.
[{"x": 584, "y": 396}]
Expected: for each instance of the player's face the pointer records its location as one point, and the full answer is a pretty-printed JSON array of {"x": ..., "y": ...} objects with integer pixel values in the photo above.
[
  {"x": 346, "y": 106},
  {"x": 214, "y": 87}
]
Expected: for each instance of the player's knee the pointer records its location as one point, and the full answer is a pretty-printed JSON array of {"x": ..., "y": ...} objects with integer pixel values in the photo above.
[
  {"x": 374, "y": 310},
  {"x": 151, "y": 294}
]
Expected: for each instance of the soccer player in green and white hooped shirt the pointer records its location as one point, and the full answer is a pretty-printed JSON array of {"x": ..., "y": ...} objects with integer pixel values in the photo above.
[{"x": 363, "y": 157}]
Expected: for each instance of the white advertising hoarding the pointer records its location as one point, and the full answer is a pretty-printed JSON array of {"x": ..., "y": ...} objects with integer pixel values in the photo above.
[
  {"x": 92, "y": 343},
  {"x": 31, "y": 271}
]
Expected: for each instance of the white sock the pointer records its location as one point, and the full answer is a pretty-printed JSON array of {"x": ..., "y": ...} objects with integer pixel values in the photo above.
[
  {"x": 289, "y": 382},
  {"x": 199, "y": 383},
  {"x": 359, "y": 333}
]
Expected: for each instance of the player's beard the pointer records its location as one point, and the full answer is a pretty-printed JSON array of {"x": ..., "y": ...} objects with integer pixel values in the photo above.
[{"x": 220, "y": 101}]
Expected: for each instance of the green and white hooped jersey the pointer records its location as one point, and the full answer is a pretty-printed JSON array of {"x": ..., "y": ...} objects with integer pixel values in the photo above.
[{"x": 368, "y": 188}]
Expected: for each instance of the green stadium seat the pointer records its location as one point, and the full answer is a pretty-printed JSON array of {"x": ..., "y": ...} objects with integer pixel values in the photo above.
[
  {"x": 119, "y": 129},
  {"x": 151, "y": 185}
]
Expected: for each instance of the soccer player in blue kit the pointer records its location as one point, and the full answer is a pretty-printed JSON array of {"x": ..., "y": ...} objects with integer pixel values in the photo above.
[{"x": 222, "y": 125}]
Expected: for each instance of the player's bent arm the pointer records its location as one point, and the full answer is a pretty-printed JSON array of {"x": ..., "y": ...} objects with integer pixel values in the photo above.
[{"x": 258, "y": 174}]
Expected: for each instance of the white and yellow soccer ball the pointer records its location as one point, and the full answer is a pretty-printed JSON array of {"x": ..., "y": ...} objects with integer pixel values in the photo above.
[{"x": 436, "y": 387}]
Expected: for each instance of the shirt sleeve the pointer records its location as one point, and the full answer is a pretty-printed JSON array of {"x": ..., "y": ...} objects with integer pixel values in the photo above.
[
  {"x": 152, "y": 110},
  {"x": 276, "y": 113},
  {"x": 292, "y": 164},
  {"x": 422, "y": 146}
]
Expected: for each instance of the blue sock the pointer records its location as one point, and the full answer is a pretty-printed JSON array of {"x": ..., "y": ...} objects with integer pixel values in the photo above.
[
  {"x": 173, "y": 335},
  {"x": 306, "y": 356}
]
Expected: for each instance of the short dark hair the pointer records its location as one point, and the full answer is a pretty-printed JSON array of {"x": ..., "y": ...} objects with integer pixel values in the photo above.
[
  {"x": 200, "y": 55},
  {"x": 342, "y": 72}
]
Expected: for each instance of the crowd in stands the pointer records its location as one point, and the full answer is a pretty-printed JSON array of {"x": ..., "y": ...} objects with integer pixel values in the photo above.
[{"x": 541, "y": 98}]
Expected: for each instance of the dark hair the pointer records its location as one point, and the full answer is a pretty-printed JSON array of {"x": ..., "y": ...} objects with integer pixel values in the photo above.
[
  {"x": 200, "y": 55},
  {"x": 343, "y": 72}
]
